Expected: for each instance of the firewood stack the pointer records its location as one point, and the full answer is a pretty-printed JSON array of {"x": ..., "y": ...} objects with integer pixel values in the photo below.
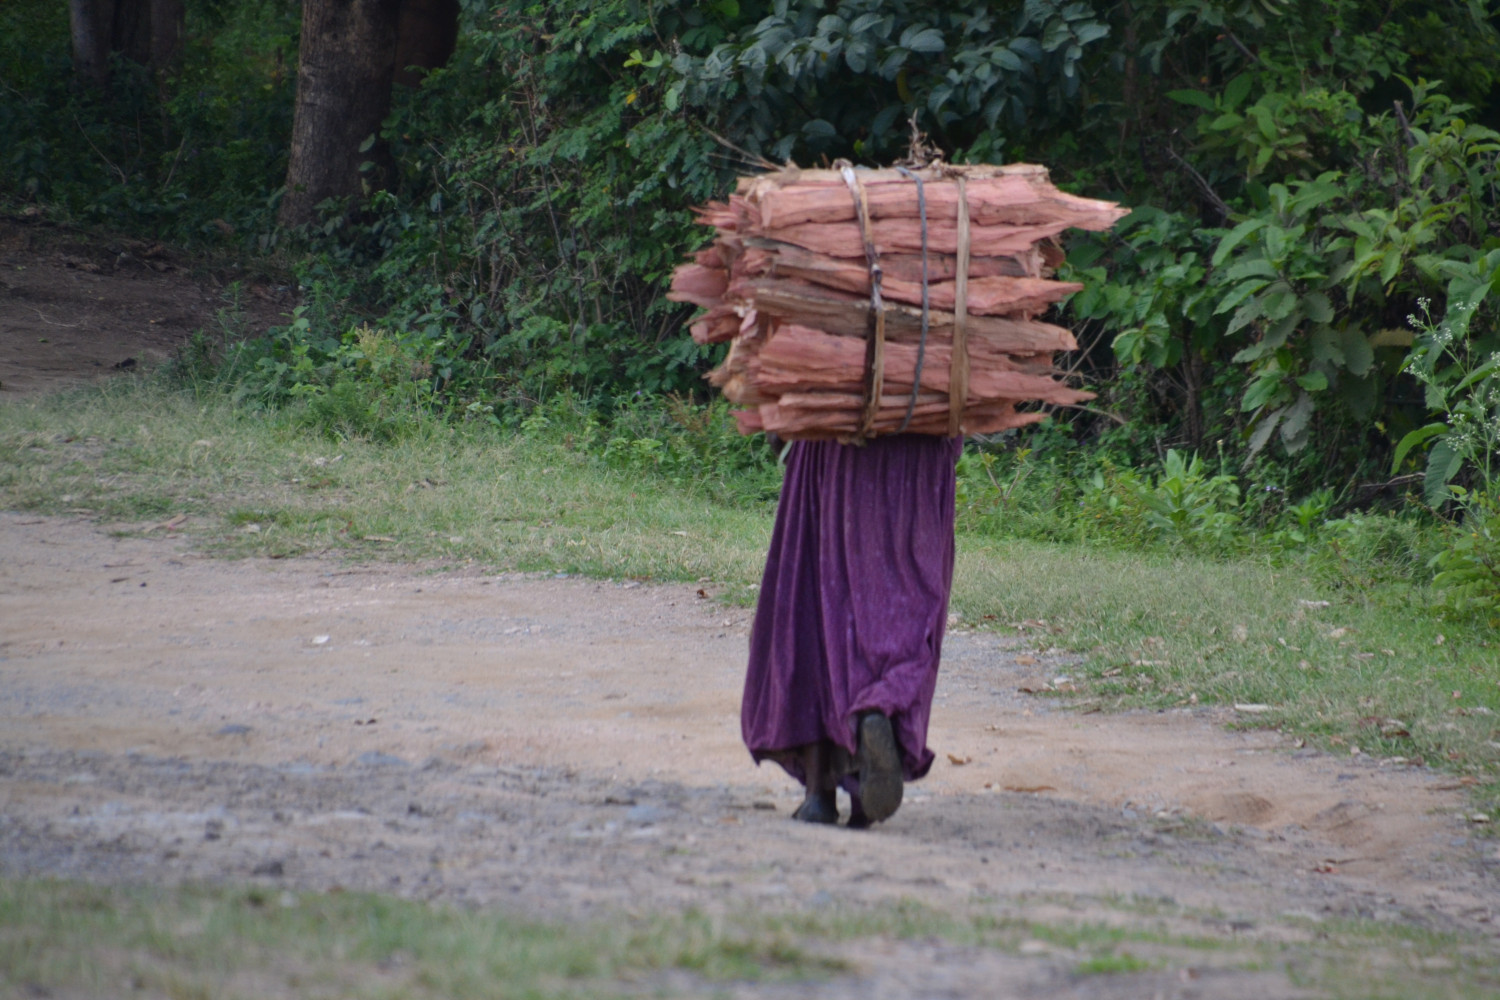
[{"x": 841, "y": 291}]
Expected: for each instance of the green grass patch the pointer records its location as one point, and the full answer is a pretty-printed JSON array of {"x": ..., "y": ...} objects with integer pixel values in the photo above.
[
  {"x": 62, "y": 937},
  {"x": 1353, "y": 660},
  {"x": 1371, "y": 960},
  {"x": 1107, "y": 965},
  {"x": 66, "y": 938},
  {"x": 1374, "y": 671},
  {"x": 257, "y": 483},
  {"x": 1121, "y": 937}
]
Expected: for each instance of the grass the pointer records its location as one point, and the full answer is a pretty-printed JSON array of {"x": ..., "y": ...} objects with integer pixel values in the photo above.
[
  {"x": 258, "y": 484},
  {"x": 62, "y": 938},
  {"x": 1364, "y": 959},
  {"x": 210, "y": 942},
  {"x": 1360, "y": 671},
  {"x": 1351, "y": 662}
]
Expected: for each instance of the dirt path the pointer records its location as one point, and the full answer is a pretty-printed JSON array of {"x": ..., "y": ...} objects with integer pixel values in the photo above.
[
  {"x": 566, "y": 748},
  {"x": 74, "y": 307}
]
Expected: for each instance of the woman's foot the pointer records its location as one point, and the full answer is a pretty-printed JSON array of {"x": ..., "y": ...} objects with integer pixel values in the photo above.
[
  {"x": 879, "y": 757},
  {"x": 821, "y": 804}
]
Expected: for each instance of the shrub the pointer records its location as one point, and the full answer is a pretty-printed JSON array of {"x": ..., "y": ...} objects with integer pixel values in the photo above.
[{"x": 1469, "y": 567}]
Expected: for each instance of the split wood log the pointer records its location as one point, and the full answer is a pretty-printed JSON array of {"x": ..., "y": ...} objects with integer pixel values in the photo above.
[
  {"x": 996, "y": 201},
  {"x": 800, "y": 359},
  {"x": 1038, "y": 262},
  {"x": 987, "y": 296},
  {"x": 816, "y": 416},
  {"x": 850, "y": 318},
  {"x": 844, "y": 239}
]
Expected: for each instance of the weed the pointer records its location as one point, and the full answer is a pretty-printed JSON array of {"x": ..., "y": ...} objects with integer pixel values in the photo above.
[{"x": 1105, "y": 965}]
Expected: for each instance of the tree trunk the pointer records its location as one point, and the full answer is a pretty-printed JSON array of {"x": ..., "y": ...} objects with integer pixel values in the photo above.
[
  {"x": 425, "y": 38},
  {"x": 1192, "y": 382},
  {"x": 90, "y": 24},
  {"x": 131, "y": 30},
  {"x": 167, "y": 18},
  {"x": 148, "y": 32},
  {"x": 344, "y": 73}
]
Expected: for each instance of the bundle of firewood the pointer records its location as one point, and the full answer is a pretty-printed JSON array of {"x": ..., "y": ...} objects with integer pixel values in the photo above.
[{"x": 868, "y": 302}]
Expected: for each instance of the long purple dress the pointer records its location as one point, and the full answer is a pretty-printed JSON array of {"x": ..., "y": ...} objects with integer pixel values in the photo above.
[{"x": 854, "y": 598}]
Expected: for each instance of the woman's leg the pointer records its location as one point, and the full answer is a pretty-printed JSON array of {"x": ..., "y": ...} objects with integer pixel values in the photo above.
[{"x": 820, "y": 804}]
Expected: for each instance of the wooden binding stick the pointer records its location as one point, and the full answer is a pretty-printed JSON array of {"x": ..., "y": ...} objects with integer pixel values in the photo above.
[
  {"x": 875, "y": 345},
  {"x": 958, "y": 373},
  {"x": 911, "y": 407}
]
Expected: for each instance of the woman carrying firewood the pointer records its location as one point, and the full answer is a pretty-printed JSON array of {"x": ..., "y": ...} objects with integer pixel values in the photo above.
[{"x": 874, "y": 368}]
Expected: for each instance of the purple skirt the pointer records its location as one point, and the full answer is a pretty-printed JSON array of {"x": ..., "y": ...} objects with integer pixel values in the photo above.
[{"x": 854, "y": 598}]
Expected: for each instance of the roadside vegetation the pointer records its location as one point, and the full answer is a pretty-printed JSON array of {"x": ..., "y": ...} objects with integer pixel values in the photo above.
[{"x": 256, "y": 941}]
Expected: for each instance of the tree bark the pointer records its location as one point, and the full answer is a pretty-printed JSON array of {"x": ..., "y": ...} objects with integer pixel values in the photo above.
[
  {"x": 167, "y": 17},
  {"x": 148, "y": 32},
  {"x": 345, "y": 68},
  {"x": 90, "y": 22},
  {"x": 425, "y": 37},
  {"x": 130, "y": 34}
]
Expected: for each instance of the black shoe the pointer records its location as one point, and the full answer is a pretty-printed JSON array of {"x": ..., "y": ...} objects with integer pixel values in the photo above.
[
  {"x": 879, "y": 767},
  {"x": 821, "y": 808}
]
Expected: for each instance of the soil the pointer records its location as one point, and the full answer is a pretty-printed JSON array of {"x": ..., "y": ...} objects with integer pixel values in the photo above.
[
  {"x": 75, "y": 306},
  {"x": 568, "y": 749}
]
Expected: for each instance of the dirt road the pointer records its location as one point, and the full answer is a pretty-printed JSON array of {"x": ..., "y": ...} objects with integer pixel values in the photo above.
[{"x": 565, "y": 748}]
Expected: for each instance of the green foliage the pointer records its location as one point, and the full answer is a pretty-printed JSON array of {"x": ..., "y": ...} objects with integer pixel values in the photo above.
[
  {"x": 813, "y": 78},
  {"x": 1315, "y": 272},
  {"x": 1469, "y": 568},
  {"x": 196, "y": 157},
  {"x": 1186, "y": 502},
  {"x": 671, "y": 440},
  {"x": 545, "y": 199},
  {"x": 1196, "y": 504},
  {"x": 380, "y": 386},
  {"x": 1280, "y": 132},
  {"x": 1461, "y": 377},
  {"x": 367, "y": 382},
  {"x": 1294, "y": 312},
  {"x": 690, "y": 446}
]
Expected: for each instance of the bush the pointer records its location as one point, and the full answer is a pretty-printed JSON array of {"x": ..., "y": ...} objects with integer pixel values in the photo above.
[{"x": 1468, "y": 569}]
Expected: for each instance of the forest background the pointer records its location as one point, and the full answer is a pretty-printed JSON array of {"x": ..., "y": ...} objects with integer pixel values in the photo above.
[
  {"x": 1301, "y": 294},
  {"x": 1293, "y": 336}
]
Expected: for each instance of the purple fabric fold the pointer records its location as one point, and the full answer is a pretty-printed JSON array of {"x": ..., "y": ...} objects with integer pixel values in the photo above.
[{"x": 854, "y": 598}]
